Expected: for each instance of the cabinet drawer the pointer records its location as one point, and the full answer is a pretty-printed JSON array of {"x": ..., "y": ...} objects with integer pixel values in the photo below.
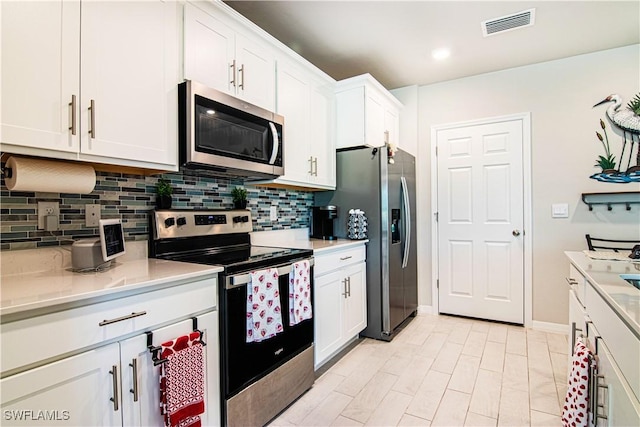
[
  {"x": 48, "y": 336},
  {"x": 325, "y": 263},
  {"x": 623, "y": 344}
]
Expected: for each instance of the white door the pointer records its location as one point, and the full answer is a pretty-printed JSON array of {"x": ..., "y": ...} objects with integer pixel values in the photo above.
[
  {"x": 322, "y": 146},
  {"x": 209, "y": 50},
  {"x": 355, "y": 304},
  {"x": 256, "y": 73},
  {"x": 327, "y": 310},
  {"x": 75, "y": 391},
  {"x": 130, "y": 72},
  {"x": 480, "y": 203},
  {"x": 40, "y": 74},
  {"x": 141, "y": 393}
]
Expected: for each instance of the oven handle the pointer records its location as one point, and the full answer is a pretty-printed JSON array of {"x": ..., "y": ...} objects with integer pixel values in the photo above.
[{"x": 238, "y": 280}]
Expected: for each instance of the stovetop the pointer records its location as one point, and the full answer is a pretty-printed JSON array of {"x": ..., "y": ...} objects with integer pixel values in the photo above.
[{"x": 214, "y": 238}]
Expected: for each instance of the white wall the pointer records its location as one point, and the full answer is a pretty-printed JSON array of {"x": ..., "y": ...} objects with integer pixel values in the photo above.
[{"x": 560, "y": 95}]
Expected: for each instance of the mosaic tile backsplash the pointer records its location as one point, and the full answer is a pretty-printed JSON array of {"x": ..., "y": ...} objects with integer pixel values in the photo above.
[{"x": 129, "y": 197}]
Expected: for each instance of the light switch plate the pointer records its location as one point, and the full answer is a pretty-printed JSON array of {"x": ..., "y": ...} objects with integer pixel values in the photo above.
[
  {"x": 560, "y": 210},
  {"x": 92, "y": 215}
]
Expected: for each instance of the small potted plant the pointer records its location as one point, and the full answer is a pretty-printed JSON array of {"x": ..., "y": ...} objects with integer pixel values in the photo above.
[
  {"x": 239, "y": 195},
  {"x": 164, "y": 190}
]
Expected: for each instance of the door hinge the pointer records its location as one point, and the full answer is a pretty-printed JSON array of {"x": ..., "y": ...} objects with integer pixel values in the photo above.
[
  {"x": 438, "y": 283},
  {"x": 436, "y": 215},
  {"x": 436, "y": 150}
]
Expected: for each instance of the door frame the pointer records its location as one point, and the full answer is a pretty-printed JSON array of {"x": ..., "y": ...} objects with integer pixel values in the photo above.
[{"x": 528, "y": 229}]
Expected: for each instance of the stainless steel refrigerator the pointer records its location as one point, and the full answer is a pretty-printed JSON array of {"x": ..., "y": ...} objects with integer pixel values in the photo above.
[{"x": 385, "y": 189}]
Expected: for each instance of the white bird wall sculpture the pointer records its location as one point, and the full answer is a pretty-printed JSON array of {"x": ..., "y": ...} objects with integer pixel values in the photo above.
[{"x": 625, "y": 119}]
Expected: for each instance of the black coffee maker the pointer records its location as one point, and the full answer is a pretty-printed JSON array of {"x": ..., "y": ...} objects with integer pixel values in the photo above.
[{"x": 322, "y": 218}]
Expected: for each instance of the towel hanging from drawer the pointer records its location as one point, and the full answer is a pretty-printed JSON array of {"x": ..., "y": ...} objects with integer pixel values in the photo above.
[
  {"x": 182, "y": 381},
  {"x": 576, "y": 403},
  {"x": 300, "y": 293},
  {"x": 264, "y": 312}
]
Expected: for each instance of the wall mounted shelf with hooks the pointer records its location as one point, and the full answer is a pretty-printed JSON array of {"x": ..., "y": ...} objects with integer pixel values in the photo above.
[{"x": 626, "y": 198}]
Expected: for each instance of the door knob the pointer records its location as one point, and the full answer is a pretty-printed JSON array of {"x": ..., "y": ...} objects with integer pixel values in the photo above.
[{"x": 516, "y": 233}]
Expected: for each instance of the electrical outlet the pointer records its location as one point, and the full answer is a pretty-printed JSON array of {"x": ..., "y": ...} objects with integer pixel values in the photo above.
[
  {"x": 92, "y": 215},
  {"x": 273, "y": 213},
  {"x": 45, "y": 209}
]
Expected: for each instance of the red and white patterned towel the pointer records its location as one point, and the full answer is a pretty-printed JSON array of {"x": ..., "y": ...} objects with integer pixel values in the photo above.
[
  {"x": 264, "y": 313},
  {"x": 576, "y": 403},
  {"x": 182, "y": 381},
  {"x": 300, "y": 293}
]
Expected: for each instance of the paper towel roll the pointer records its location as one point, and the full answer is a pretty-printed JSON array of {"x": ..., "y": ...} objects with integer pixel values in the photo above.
[{"x": 49, "y": 176}]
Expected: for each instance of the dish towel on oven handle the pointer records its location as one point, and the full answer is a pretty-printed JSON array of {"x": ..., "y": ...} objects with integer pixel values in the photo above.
[
  {"x": 264, "y": 312},
  {"x": 300, "y": 293},
  {"x": 182, "y": 381},
  {"x": 576, "y": 403}
]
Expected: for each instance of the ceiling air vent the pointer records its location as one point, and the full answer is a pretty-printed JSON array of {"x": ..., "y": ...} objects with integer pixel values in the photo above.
[{"x": 522, "y": 19}]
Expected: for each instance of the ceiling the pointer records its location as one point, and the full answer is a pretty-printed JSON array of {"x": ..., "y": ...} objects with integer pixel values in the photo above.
[{"x": 394, "y": 40}]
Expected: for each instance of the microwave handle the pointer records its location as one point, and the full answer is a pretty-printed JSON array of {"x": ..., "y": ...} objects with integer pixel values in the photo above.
[{"x": 276, "y": 143}]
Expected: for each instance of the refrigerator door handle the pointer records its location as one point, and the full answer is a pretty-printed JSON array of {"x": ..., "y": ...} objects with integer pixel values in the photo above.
[{"x": 407, "y": 225}]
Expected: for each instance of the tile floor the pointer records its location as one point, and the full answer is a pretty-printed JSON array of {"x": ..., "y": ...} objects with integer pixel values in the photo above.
[{"x": 441, "y": 371}]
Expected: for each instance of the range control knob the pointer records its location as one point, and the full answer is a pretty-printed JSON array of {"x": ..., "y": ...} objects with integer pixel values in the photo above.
[
  {"x": 245, "y": 218},
  {"x": 182, "y": 221},
  {"x": 169, "y": 222},
  {"x": 237, "y": 219}
]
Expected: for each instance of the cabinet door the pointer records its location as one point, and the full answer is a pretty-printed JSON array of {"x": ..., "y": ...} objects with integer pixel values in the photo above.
[
  {"x": 576, "y": 321},
  {"x": 40, "y": 73},
  {"x": 355, "y": 305},
  {"x": 75, "y": 391},
  {"x": 615, "y": 400},
  {"x": 374, "y": 120},
  {"x": 129, "y": 69},
  {"x": 328, "y": 296},
  {"x": 256, "y": 73},
  {"x": 322, "y": 143},
  {"x": 209, "y": 50},
  {"x": 392, "y": 125},
  {"x": 293, "y": 104},
  {"x": 142, "y": 408}
]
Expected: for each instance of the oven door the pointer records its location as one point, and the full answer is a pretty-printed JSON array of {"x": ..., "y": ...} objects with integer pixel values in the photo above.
[{"x": 244, "y": 363}]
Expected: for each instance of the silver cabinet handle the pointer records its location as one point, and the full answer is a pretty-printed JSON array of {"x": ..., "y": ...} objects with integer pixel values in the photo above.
[
  {"x": 345, "y": 294},
  {"x": 115, "y": 398},
  {"x": 233, "y": 73},
  {"x": 571, "y": 281},
  {"x": 315, "y": 166},
  {"x": 120, "y": 319},
  {"x": 311, "y": 165},
  {"x": 134, "y": 373},
  {"x": 349, "y": 286},
  {"x": 241, "y": 77},
  {"x": 92, "y": 120},
  {"x": 344, "y": 258},
  {"x": 516, "y": 233},
  {"x": 72, "y": 104}
]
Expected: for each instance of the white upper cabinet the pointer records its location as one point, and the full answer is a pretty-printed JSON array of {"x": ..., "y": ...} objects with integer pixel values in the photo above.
[
  {"x": 306, "y": 102},
  {"x": 223, "y": 58},
  {"x": 40, "y": 74},
  {"x": 367, "y": 113},
  {"x": 93, "y": 81}
]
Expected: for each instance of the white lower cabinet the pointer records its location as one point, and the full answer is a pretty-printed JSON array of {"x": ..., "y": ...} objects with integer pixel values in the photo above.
[
  {"x": 340, "y": 301},
  {"x": 112, "y": 384},
  {"x": 75, "y": 391}
]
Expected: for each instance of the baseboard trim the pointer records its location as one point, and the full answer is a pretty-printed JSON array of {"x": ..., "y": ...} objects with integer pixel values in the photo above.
[
  {"x": 558, "y": 328},
  {"x": 425, "y": 309}
]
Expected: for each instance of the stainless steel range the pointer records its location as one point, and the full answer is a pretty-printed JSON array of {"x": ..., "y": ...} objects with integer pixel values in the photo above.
[{"x": 258, "y": 379}]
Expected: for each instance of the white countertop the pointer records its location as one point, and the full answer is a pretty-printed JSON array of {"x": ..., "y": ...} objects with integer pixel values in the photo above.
[
  {"x": 604, "y": 276},
  {"x": 44, "y": 290},
  {"x": 319, "y": 245}
]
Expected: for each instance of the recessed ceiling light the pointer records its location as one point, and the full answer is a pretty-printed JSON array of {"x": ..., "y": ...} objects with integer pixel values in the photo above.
[{"x": 441, "y": 54}]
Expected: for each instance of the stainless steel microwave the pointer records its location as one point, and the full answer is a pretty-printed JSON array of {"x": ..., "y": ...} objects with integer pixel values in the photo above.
[{"x": 226, "y": 135}]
